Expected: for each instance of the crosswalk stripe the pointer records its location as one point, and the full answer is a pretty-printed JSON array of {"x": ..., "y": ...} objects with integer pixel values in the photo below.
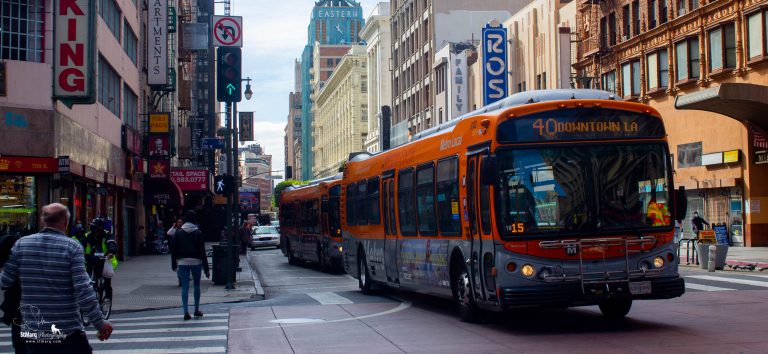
[
  {"x": 168, "y": 350},
  {"x": 177, "y": 323},
  {"x": 731, "y": 280},
  {"x": 166, "y": 330},
  {"x": 705, "y": 287},
  {"x": 764, "y": 276},
  {"x": 122, "y": 319},
  {"x": 159, "y": 339},
  {"x": 328, "y": 298}
]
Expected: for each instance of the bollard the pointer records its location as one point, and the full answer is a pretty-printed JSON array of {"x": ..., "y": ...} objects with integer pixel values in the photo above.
[{"x": 712, "y": 258}]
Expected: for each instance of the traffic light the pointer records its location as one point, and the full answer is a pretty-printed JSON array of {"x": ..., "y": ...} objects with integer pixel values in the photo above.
[{"x": 228, "y": 74}]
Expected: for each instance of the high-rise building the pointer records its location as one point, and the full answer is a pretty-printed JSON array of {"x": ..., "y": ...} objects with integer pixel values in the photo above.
[
  {"x": 332, "y": 22},
  {"x": 378, "y": 38},
  {"x": 419, "y": 29},
  {"x": 293, "y": 127},
  {"x": 702, "y": 66}
]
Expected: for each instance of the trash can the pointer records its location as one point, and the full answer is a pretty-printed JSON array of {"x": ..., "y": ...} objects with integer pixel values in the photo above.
[
  {"x": 703, "y": 250},
  {"x": 219, "y": 264}
]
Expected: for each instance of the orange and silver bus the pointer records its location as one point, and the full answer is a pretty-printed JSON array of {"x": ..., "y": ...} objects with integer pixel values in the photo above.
[
  {"x": 310, "y": 227},
  {"x": 547, "y": 198}
]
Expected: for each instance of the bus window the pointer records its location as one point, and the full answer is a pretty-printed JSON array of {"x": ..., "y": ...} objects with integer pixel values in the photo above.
[
  {"x": 361, "y": 216},
  {"x": 448, "y": 196},
  {"x": 334, "y": 219},
  {"x": 391, "y": 209},
  {"x": 405, "y": 203},
  {"x": 350, "y": 204},
  {"x": 373, "y": 201},
  {"x": 485, "y": 206},
  {"x": 425, "y": 200}
]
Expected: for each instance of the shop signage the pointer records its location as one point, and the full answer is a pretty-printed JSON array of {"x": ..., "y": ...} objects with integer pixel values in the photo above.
[
  {"x": 761, "y": 157},
  {"x": 74, "y": 51},
  {"x": 131, "y": 140},
  {"x": 731, "y": 156},
  {"x": 494, "y": 62},
  {"x": 157, "y": 43},
  {"x": 94, "y": 174},
  {"x": 459, "y": 88},
  {"x": 712, "y": 159},
  {"x": 28, "y": 164},
  {"x": 159, "y": 122},
  {"x": 192, "y": 179},
  {"x": 119, "y": 181},
  {"x": 721, "y": 234},
  {"x": 159, "y": 146},
  {"x": 159, "y": 169},
  {"x": 63, "y": 165}
]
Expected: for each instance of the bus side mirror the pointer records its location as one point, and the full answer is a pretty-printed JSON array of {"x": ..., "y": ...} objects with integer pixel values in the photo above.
[
  {"x": 488, "y": 170},
  {"x": 681, "y": 204}
]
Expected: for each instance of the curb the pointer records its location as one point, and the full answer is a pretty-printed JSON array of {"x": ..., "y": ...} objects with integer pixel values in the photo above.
[{"x": 256, "y": 283}]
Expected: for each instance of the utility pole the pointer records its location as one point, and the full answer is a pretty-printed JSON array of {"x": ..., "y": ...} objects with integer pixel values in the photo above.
[
  {"x": 230, "y": 227},
  {"x": 236, "y": 170}
]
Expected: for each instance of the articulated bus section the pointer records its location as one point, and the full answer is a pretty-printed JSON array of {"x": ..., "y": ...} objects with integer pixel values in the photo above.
[
  {"x": 310, "y": 228},
  {"x": 547, "y": 198}
]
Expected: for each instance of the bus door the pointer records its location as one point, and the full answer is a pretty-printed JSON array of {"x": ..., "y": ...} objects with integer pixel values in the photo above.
[
  {"x": 324, "y": 224},
  {"x": 390, "y": 236},
  {"x": 471, "y": 208}
]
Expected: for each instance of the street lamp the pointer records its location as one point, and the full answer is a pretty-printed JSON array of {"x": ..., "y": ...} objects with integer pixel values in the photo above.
[{"x": 248, "y": 92}]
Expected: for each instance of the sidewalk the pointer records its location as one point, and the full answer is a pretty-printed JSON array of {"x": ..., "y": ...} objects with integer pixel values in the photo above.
[
  {"x": 742, "y": 256},
  {"x": 147, "y": 282}
]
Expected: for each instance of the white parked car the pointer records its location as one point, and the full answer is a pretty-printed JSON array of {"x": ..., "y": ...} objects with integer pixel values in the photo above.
[{"x": 265, "y": 236}]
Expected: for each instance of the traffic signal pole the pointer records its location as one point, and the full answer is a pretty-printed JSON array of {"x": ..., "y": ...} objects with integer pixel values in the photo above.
[{"x": 230, "y": 228}]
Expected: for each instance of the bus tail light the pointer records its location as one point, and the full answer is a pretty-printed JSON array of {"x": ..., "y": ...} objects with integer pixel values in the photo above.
[
  {"x": 511, "y": 267},
  {"x": 670, "y": 257}
]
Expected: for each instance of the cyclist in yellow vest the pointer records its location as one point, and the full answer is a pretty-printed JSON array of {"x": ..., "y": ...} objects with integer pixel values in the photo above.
[{"x": 99, "y": 240}]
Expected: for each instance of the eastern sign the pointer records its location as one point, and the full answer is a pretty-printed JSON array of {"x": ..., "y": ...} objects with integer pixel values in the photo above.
[
  {"x": 190, "y": 179},
  {"x": 74, "y": 50},
  {"x": 223, "y": 184},
  {"x": 494, "y": 62},
  {"x": 227, "y": 31},
  {"x": 159, "y": 122},
  {"x": 246, "y": 126},
  {"x": 157, "y": 43}
]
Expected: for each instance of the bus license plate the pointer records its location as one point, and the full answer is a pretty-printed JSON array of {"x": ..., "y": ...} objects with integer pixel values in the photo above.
[{"x": 640, "y": 287}]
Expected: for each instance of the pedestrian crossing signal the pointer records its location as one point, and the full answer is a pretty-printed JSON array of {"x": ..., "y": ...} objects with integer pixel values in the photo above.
[{"x": 223, "y": 184}]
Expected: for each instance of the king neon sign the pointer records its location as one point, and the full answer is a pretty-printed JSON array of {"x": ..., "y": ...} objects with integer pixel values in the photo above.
[{"x": 74, "y": 51}]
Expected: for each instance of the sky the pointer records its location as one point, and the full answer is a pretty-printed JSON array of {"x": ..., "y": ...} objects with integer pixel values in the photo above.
[{"x": 274, "y": 35}]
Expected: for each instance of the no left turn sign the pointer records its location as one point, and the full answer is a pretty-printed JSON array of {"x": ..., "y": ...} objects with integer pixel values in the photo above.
[{"x": 228, "y": 31}]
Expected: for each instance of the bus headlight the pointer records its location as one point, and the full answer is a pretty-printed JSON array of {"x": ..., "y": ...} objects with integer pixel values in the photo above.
[
  {"x": 527, "y": 270},
  {"x": 658, "y": 262}
]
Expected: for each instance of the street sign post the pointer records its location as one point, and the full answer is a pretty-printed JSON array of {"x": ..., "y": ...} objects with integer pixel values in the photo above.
[{"x": 213, "y": 143}]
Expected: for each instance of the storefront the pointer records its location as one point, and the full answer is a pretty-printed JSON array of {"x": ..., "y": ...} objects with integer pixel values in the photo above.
[{"x": 24, "y": 189}]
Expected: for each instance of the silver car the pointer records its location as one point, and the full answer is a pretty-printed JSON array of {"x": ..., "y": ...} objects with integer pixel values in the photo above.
[{"x": 265, "y": 236}]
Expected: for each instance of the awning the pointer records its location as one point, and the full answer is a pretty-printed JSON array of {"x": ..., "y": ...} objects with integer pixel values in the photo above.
[
  {"x": 162, "y": 191},
  {"x": 745, "y": 102}
]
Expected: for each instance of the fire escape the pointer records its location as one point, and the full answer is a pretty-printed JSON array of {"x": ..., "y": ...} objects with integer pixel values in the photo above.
[{"x": 589, "y": 42}]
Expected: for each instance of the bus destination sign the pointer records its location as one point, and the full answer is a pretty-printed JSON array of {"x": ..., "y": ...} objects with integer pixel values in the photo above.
[{"x": 580, "y": 124}]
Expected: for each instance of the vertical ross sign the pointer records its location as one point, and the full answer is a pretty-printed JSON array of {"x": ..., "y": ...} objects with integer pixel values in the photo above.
[
  {"x": 74, "y": 50},
  {"x": 494, "y": 62},
  {"x": 157, "y": 43}
]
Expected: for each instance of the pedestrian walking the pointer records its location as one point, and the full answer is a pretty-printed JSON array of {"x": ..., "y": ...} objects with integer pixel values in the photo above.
[
  {"x": 698, "y": 223},
  {"x": 188, "y": 257},
  {"x": 49, "y": 267},
  {"x": 171, "y": 235},
  {"x": 245, "y": 237}
]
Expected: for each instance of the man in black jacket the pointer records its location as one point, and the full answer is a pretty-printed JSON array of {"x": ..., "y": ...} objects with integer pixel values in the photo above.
[{"x": 189, "y": 256}]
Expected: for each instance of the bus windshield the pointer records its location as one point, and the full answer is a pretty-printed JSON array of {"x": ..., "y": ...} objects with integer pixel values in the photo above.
[{"x": 585, "y": 189}]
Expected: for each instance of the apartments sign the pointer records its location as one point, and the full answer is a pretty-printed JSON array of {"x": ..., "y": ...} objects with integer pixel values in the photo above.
[
  {"x": 494, "y": 62},
  {"x": 74, "y": 51},
  {"x": 157, "y": 43}
]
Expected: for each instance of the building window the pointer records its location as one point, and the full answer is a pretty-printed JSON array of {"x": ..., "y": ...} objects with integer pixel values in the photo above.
[
  {"x": 757, "y": 40},
  {"x": 608, "y": 81},
  {"x": 689, "y": 155},
  {"x": 603, "y": 32},
  {"x": 635, "y": 18},
  {"x": 130, "y": 107},
  {"x": 110, "y": 13},
  {"x": 626, "y": 33},
  {"x": 109, "y": 87},
  {"x": 130, "y": 42},
  {"x": 663, "y": 11},
  {"x": 657, "y": 67},
  {"x": 651, "y": 14},
  {"x": 538, "y": 82},
  {"x": 18, "y": 207},
  {"x": 21, "y": 35},
  {"x": 630, "y": 78},
  {"x": 680, "y": 8},
  {"x": 722, "y": 48},
  {"x": 687, "y": 59},
  {"x": 612, "y": 28},
  {"x": 543, "y": 81}
]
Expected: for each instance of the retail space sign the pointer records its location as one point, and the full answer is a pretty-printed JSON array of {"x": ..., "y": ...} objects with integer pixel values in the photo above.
[
  {"x": 74, "y": 50},
  {"x": 494, "y": 62},
  {"x": 159, "y": 122},
  {"x": 157, "y": 43},
  {"x": 190, "y": 179},
  {"x": 28, "y": 164}
]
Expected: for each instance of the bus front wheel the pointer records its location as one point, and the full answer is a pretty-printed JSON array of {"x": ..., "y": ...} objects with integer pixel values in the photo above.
[
  {"x": 615, "y": 308},
  {"x": 468, "y": 311},
  {"x": 364, "y": 280}
]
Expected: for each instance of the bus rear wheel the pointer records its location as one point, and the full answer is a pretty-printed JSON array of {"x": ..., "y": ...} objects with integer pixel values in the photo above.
[
  {"x": 462, "y": 294},
  {"x": 291, "y": 258},
  {"x": 615, "y": 308},
  {"x": 364, "y": 280}
]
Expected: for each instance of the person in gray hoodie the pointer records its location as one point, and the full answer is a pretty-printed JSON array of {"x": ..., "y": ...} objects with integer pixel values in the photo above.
[{"x": 188, "y": 256}]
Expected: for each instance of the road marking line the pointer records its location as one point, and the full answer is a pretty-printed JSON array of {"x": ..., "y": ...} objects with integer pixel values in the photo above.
[
  {"x": 166, "y": 330},
  {"x": 731, "y": 280},
  {"x": 753, "y": 275},
  {"x": 162, "y": 317},
  {"x": 705, "y": 287},
  {"x": 176, "y": 323},
  {"x": 168, "y": 350},
  {"x": 329, "y": 298},
  {"x": 158, "y": 339}
]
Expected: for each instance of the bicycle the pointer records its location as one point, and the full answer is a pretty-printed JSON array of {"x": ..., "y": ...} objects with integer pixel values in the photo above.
[{"x": 105, "y": 304}]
